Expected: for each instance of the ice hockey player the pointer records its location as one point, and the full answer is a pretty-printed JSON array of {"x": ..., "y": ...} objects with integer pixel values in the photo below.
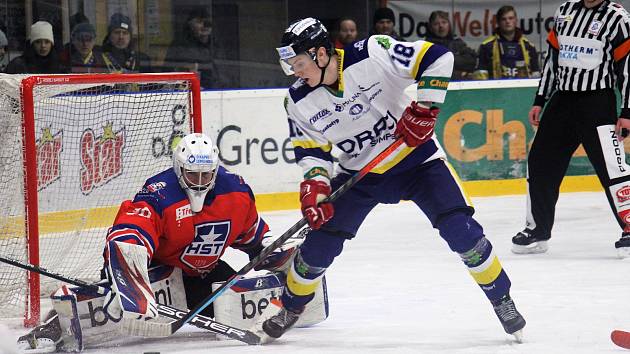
[
  {"x": 183, "y": 218},
  {"x": 353, "y": 98}
]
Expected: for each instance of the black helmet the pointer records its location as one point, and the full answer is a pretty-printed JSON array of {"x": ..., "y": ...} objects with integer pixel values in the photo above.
[{"x": 299, "y": 37}]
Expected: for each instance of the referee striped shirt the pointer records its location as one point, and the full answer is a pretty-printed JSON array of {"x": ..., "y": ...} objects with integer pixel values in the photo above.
[{"x": 588, "y": 50}]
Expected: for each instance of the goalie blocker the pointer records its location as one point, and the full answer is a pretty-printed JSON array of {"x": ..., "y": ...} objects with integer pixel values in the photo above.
[{"x": 84, "y": 323}]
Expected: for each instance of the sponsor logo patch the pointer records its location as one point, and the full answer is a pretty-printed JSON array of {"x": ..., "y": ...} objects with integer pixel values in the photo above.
[
  {"x": 183, "y": 212},
  {"x": 101, "y": 157},
  {"x": 623, "y": 194},
  {"x": 595, "y": 27},
  {"x": 49, "y": 149}
]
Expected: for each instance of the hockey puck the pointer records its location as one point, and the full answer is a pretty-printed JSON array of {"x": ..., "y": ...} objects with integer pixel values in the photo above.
[{"x": 624, "y": 132}]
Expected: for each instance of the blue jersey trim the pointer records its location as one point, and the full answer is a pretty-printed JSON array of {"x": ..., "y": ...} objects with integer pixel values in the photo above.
[
  {"x": 301, "y": 153},
  {"x": 355, "y": 52},
  {"x": 299, "y": 92}
]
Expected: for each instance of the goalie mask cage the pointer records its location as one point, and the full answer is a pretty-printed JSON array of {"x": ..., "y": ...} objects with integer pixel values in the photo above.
[{"x": 72, "y": 148}]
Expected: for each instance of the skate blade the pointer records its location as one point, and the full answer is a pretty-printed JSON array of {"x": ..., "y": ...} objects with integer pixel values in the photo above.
[
  {"x": 536, "y": 247},
  {"x": 518, "y": 336},
  {"x": 623, "y": 252},
  {"x": 273, "y": 308}
]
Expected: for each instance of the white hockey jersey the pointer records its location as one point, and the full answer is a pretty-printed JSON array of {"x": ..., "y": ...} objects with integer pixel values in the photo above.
[{"x": 360, "y": 118}]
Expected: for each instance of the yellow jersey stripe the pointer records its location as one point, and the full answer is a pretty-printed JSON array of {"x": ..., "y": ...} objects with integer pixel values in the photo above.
[
  {"x": 393, "y": 162},
  {"x": 416, "y": 65},
  {"x": 311, "y": 144}
]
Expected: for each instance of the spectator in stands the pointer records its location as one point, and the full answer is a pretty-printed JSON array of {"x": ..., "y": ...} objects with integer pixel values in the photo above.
[
  {"x": 440, "y": 33},
  {"x": 81, "y": 55},
  {"x": 4, "y": 52},
  {"x": 194, "y": 52},
  {"x": 383, "y": 22},
  {"x": 39, "y": 57},
  {"x": 346, "y": 32},
  {"x": 507, "y": 53},
  {"x": 118, "y": 48}
]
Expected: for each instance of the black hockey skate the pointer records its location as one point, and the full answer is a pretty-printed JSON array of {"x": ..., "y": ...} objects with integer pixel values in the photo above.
[
  {"x": 525, "y": 243},
  {"x": 279, "y": 323},
  {"x": 45, "y": 338},
  {"x": 509, "y": 316},
  {"x": 623, "y": 245}
]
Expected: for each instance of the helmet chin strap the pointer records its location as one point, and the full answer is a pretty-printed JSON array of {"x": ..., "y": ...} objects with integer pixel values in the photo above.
[{"x": 323, "y": 69}]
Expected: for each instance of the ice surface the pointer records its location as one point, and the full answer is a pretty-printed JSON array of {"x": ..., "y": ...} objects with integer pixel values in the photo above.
[{"x": 397, "y": 288}]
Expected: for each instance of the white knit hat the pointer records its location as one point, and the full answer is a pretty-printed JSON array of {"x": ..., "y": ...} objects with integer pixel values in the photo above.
[{"x": 41, "y": 30}]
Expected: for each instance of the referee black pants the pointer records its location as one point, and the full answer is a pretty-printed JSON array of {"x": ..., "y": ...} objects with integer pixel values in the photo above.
[{"x": 571, "y": 119}]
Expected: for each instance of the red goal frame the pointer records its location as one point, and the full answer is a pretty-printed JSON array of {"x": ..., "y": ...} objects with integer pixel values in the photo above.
[{"x": 32, "y": 307}]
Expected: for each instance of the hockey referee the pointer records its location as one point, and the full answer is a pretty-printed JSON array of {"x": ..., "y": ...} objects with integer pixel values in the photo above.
[{"x": 587, "y": 58}]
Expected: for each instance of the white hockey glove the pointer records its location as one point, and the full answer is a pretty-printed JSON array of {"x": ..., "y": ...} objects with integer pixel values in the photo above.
[
  {"x": 131, "y": 296},
  {"x": 280, "y": 259}
]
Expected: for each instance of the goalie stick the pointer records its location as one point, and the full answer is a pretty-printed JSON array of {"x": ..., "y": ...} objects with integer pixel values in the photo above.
[
  {"x": 147, "y": 328},
  {"x": 621, "y": 338}
]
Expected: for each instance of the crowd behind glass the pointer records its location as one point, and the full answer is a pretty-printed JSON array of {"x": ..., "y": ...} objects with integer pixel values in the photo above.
[{"x": 507, "y": 53}]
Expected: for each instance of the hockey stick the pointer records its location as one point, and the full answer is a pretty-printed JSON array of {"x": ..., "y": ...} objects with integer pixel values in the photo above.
[
  {"x": 285, "y": 236},
  {"x": 148, "y": 328},
  {"x": 621, "y": 338}
]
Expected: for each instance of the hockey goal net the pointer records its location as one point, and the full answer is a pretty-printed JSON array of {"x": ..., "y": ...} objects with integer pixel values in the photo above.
[{"x": 72, "y": 148}]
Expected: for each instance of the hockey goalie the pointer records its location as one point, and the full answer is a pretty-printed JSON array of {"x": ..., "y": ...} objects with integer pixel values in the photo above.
[{"x": 165, "y": 246}]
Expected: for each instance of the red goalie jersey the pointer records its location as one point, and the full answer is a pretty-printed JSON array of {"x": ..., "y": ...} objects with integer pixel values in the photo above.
[{"x": 160, "y": 219}]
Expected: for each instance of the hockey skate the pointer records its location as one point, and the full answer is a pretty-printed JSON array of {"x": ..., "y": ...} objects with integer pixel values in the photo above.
[
  {"x": 526, "y": 243},
  {"x": 274, "y": 321},
  {"x": 623, "y": 246},
  {"x": 509, "y": 316},
  {"x": 45, "y": 338}
]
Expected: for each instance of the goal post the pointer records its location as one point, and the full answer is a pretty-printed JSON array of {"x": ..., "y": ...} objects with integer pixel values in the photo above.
[{"x": 72, "y": 148}]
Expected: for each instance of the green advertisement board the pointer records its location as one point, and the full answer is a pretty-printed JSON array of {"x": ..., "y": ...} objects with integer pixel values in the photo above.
[{"x": 486, "y": 134}]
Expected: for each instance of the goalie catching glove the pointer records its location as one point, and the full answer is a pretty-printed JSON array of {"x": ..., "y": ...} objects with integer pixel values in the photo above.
[
  {"x": 280, "y": 259},
  {"x": 131, "y": 296},
  {"x": 416, "y": 124}
]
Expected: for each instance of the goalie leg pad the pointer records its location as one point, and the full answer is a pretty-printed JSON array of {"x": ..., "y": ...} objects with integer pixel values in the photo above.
[
  {"x": 131, "y": 291},
  {"x": 243, "y": 305},
  {"x": 82, "y": 317}
]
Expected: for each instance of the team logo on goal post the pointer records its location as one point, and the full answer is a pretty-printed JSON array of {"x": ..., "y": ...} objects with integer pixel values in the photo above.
[
  {"x": 49, "y": 149},
  {"x": 101, "y": 157}
]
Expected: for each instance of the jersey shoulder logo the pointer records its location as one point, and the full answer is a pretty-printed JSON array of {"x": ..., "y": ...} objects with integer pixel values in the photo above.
[
  {"x": 595, "y": 27},
  {"x": 207, "y": 245},
  {"x": 383, "y": 41}
]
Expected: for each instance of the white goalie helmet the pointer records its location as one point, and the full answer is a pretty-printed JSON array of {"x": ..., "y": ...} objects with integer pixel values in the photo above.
[{"x": 195, "y": 161}]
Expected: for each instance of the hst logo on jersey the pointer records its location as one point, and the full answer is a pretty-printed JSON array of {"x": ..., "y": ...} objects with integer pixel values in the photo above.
[
  {"x": 49, "y": 149},
  {"x": 207, "y": 245}
]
